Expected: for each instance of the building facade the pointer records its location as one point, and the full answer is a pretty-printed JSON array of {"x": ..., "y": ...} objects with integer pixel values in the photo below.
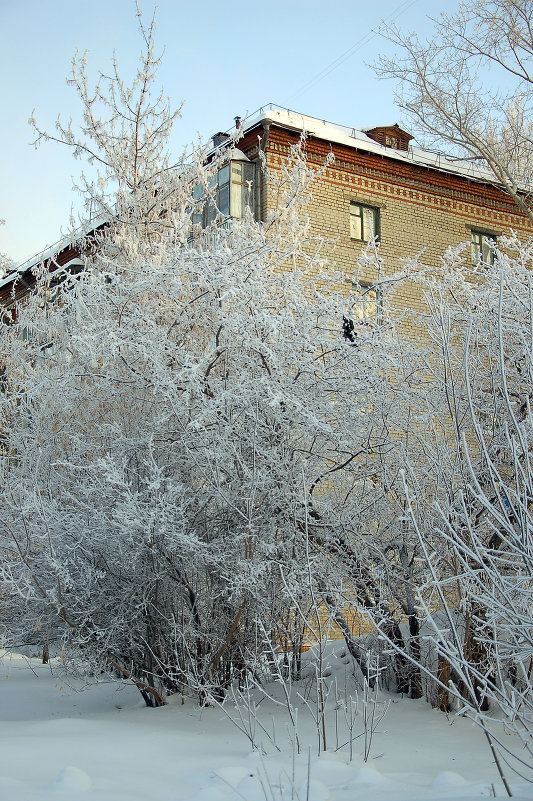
[{"x": 375, "y": 185}]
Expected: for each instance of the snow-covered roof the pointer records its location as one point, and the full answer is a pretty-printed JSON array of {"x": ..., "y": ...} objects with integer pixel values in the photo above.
[
  {"x": 353, "y": 137},
  {"x": 50, "y": 252},
  {"x": 237, "y": 155}
]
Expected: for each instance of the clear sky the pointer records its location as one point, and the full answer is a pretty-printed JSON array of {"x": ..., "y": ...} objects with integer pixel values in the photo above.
[{"x": 223, "y": 58}]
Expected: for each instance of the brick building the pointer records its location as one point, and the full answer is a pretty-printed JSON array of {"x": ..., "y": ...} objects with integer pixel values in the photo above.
[
  {"x": 411, "y": 199},
  {"x": 376, "y": 185}
]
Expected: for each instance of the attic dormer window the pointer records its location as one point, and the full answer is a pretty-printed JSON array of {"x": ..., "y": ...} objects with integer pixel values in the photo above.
[{"x": 390, "y": 136}]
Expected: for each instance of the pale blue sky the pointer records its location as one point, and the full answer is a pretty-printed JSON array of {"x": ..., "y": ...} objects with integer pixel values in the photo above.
[{"x": 222, "y": 58}]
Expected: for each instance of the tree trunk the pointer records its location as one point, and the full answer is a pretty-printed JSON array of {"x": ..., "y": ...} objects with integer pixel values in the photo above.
[
  {"x": 443, "y": 675},
  {"x": 417, "y": 690}
]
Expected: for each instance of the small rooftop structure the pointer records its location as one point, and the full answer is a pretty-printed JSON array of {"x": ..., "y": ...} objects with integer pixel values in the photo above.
[{"x": 390, "y": 136}]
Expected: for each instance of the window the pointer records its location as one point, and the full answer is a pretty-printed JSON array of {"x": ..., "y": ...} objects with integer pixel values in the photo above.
[
  {"x": 482, "y": 248},
  {"x": 366, "y": 310},
  {"x": 364, "y": 222},
  {"x": 231, "y": 192},
  {"x": 218, "y": 186},
  {"x": 242, "y": 188},
  {"x": 367, "y": 307},
  {"x": 222, "y": 192}
]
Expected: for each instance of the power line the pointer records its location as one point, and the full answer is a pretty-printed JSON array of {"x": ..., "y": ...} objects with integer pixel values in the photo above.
[{"x": 404, "y": 6}]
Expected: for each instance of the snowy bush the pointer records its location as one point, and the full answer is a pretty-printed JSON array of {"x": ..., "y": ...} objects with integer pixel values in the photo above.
[{"x": 165, "y": 421}]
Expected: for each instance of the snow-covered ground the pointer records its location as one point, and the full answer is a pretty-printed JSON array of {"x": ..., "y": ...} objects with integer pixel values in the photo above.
[{"x": 57, "y": 742}]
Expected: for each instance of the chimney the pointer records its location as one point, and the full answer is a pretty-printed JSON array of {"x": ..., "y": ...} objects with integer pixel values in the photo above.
[
  {"x": 237, "y": 123},
  {"x": 219, "y": 138}
]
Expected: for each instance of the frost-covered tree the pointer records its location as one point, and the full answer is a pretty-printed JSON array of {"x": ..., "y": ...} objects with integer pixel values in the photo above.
[
  {"x": 449, "y": 413},
  {"x": 467, "y": 493},
  {"x": 133, "y": 184},
  {"x": 369, "y": 554},
  {"x": 6, "y": 263},
  {"x": 195, "y": 451},
  {"x": 167, "y": 424},
  {"x": 172, "y": 413},
  {"x": 468, "y": 88}
]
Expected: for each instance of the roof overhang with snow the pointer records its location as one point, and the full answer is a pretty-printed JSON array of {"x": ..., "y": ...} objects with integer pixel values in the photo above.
[{"x": 355, "y": 138}]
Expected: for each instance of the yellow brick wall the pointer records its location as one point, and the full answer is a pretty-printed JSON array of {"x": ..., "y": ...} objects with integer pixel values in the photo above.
[{"x": 416, "y": 213}]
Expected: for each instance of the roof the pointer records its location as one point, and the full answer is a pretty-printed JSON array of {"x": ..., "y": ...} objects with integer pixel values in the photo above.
[
  {"x": 49, "y": 253},
  {"x": 353, "y": 137},
  {"x": 39, "y": 258}
]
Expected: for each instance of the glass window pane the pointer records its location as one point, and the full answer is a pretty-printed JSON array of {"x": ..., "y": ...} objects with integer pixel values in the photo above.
[
  {"x": 481, "y": 248},
  {"x": 364, "y": 222},
  {"x": 248, "y": 172},
  {"x": 236, "y": 171},
  {"x": 223, "y": 175},
  {"x": 247, "y": 198},
  {"x": 486, "y": 252},
  {"x": 367, "y": 305},
  {"x": 369, "y": 229},
  {"x": 211, "y": 212},
  {"x": 356, "y": 229},
  {"x": 475, "y": 247},
  {"x": 223, "y": 199}
]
